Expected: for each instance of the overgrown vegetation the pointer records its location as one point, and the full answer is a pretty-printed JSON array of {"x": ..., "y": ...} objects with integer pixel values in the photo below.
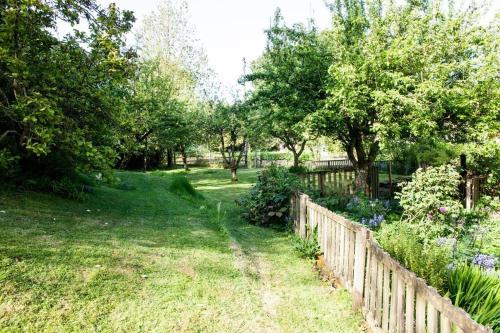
[
  {"x": 181, "y": 186},
  {"x": 268, "y": 202}
]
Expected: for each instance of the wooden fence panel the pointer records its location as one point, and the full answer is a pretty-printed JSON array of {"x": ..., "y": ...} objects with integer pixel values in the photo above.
[
  {"x": 339, "y": 181},
  {"x": 392, "y": 298}
]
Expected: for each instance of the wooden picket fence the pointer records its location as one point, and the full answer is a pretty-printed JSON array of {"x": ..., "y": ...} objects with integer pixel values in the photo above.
[
  {"x": 392, "y": 298},
  {"x": 339, "y": 181}
]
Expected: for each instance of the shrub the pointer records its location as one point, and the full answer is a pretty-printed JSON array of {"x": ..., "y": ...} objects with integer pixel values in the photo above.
[
  {"x": 181, "y": 186},
  {"x": 429, "y": 260},
  {"x": 268, "y": 202},
  {"x": 430, "y": 201},
  {"x": 477, "y": 292},
  {"x": 307, "y": 248},
  {"x": 298, "y": 169}
]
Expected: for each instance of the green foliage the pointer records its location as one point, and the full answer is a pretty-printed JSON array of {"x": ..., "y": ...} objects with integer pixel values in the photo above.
[
  {"x": 276, "y": 156},
  {"x": 268, "y": 202},
  {"x": 430, "y": 201},
  {"x": 407, "y": 72},
  {"x": 226, "y": 128},
  {"x": 61, "y": 98},
  {"x": 477, "y": 292},
  {"x": 426, "y": 259},
  {"x": 298, "y": 169},
  {"x": 289, "y": 83},
  {"x": 483, "y": 158},
  {"x": 308, "y": 247},
  {"x": 181, "y": 186},
  {"x": 334, "y": 202}
]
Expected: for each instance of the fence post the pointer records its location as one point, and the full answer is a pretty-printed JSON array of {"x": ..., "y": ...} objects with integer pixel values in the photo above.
[
  {"x": 303, "y": 215},
  {"x": 468, "y": 193},
  {"x": 359, "y": 267},
  {"x": 321, "y": 178}
]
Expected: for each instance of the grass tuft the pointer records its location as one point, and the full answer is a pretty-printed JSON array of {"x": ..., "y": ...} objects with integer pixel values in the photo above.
[{"x": 181, "y": 186}]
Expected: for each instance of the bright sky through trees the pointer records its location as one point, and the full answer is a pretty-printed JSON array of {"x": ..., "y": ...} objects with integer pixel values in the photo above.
[{"x": 233, "y": 29}]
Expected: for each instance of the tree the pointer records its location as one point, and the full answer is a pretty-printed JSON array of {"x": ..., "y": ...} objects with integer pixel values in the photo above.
[
  {"x": 169, "y": 87},
  {"x": 403, "y": 72},
  {"x": 227, "y": 127},
  {"x": 289, "y": 81},
  {"x": 60, "y": 98}
]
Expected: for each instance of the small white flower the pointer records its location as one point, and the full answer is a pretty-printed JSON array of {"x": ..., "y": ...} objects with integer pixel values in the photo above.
[
  {"x": 144, "y": 276},
  {"x": 88, "y": 210}
]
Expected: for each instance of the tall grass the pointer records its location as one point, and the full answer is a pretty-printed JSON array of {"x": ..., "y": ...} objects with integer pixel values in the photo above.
[
  {"x": 181, "y": 186},
  {"x": 477, "y": 292}
]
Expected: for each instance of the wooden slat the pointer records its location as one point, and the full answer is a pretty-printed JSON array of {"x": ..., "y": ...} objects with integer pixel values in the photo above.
[
  {"x": 373, "y": 284},
  {"x": 393, "y": 322},
  {"x": 337, "y": 248},
  {"x": 342, "y": 251},
  {"x": 380, "y": 289},
  {"x": 420, "y": 314},
  {"x": 432, "y": 319},
  {"x": 333, "y": 244},
  {"x": 410, "y": 309},
  {"x": 366, "y": 292},
  {"x": 401, "y": 306},
  {"x": 327, "y": 253},
  {"x": 386, "y": 298},
  {"x": 352, "y": 244},
  {"x": 445, "y": 325}
]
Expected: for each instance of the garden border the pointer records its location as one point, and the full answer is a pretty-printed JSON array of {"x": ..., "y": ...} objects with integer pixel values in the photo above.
[{"x": 392, "y": 298}]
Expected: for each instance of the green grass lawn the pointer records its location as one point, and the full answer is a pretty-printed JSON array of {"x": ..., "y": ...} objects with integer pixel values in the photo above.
[{"x": 143, "y": 259}]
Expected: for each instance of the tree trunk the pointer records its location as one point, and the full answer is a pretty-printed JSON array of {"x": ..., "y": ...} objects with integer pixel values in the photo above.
[
  {"x": 361, "y": 181},
  {"x": 184, "y": 161},
  {"x": 170, "y": 158},
  {"x": 146, "y": 156},
  {"x": 296, "y": 159},
  {"x": 234, "y": 177}
]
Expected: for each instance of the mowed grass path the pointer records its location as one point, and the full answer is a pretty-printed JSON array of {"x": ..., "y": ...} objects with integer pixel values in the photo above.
[{"x": 147, "y": 260}]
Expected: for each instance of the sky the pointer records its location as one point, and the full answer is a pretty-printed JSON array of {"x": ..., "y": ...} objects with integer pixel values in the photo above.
[{"x": 231, "y": 30}]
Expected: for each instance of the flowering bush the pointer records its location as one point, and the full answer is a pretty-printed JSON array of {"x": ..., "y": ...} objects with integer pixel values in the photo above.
[{"x": 430, "y": 201}]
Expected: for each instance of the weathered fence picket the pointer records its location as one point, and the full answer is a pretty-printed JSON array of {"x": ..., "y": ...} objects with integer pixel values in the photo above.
[{"x": 392, "y": 298}]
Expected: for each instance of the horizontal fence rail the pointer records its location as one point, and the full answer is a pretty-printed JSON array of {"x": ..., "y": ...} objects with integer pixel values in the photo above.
[{"x": 392, "y": 298}]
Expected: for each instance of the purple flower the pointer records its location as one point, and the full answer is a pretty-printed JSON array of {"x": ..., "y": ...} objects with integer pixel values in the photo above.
[
  {"x": 430, "y": 216},
  {"x": 374, "y": 222},
  {"x": 485, "y": 261},
  {"x": 442, "y": 210},
  {"x": 450, "y": 267}
]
